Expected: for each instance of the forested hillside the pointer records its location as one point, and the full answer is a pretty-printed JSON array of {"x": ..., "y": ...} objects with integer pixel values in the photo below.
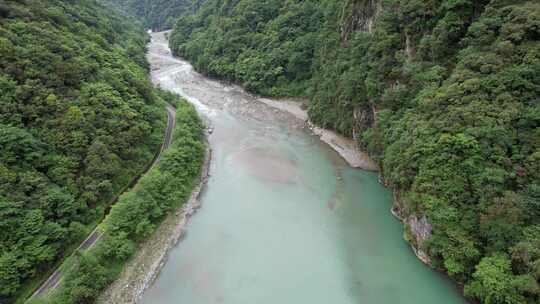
[
  {"x": 78, "y": 120},
  {"x": 444, "y": 94},
  {"x": 154, "y": 14},
  {"x": 138, "y": 212}
]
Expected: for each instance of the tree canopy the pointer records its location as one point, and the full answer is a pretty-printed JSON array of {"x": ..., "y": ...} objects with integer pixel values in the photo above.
[
  {"x": 154, "y": 14},
  {"x": 138, "y": 212}
]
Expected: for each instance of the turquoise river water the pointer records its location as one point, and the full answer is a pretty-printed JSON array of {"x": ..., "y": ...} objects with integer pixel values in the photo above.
[{"x": 283, "y": 218}]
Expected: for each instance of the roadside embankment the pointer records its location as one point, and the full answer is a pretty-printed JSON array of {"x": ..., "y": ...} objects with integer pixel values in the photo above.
[{"x": 145, "y": 265}]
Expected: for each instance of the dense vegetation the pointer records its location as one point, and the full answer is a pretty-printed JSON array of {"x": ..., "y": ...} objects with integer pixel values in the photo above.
[
  {"x": 154, "y": 14},
  {"x": 79, "y": 119},
  {"x": 445, "y": 94},
  {"x": 138, "y": 212},
  {"x": 268, "y": 46}
]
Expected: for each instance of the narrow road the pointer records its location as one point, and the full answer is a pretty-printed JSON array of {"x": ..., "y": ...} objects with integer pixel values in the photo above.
[
  {"x": 53, "y": 281},
  {"x": 171, "y": 122}
]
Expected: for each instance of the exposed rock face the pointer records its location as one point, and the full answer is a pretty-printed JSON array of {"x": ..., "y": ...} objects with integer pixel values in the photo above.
[
  {"x": 358, "y": 16},
  {"x": 363, "y": 119},
  {"x": 398, "y": 208},
  {"x": 417, "y": 228},
  {"x": 410, "y": 49},
  {"x": 420, "y": 230}
]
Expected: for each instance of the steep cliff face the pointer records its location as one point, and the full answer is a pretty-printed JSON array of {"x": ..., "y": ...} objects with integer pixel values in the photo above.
[
  {"x": 418, "y": 230},
  {"x": 358, "y": 16},
  {"x": 421, "y": 230},
  {"x": 338, "y": 99}
]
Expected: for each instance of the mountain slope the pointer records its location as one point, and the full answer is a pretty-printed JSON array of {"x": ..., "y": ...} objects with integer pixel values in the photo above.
[
  {"x": 444, "y": 94},
  {"x": 78, "y": 120}
]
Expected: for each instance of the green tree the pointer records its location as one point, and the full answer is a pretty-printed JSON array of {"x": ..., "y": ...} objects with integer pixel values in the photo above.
[{"x": 493, "y": 282}]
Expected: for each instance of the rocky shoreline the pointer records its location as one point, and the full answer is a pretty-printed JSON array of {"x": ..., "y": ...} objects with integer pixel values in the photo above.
[
  {"x": 141, "y": 271},
  {"x": 345, "y": 147},
  {"x": 417, "y": 230}
]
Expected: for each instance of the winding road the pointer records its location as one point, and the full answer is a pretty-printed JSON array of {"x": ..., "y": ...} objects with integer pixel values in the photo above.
[{"x": 54, "y": 280}]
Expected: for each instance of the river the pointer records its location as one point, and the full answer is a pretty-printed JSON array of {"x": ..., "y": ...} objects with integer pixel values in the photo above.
[{"x": 284, "y": 219}]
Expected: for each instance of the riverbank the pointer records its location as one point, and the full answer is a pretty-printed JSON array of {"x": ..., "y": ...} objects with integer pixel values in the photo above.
[
  {"x": 345, "y": 147},
  {"x": 419, "y": 229},
  {"x": 144, "y": 267}
]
